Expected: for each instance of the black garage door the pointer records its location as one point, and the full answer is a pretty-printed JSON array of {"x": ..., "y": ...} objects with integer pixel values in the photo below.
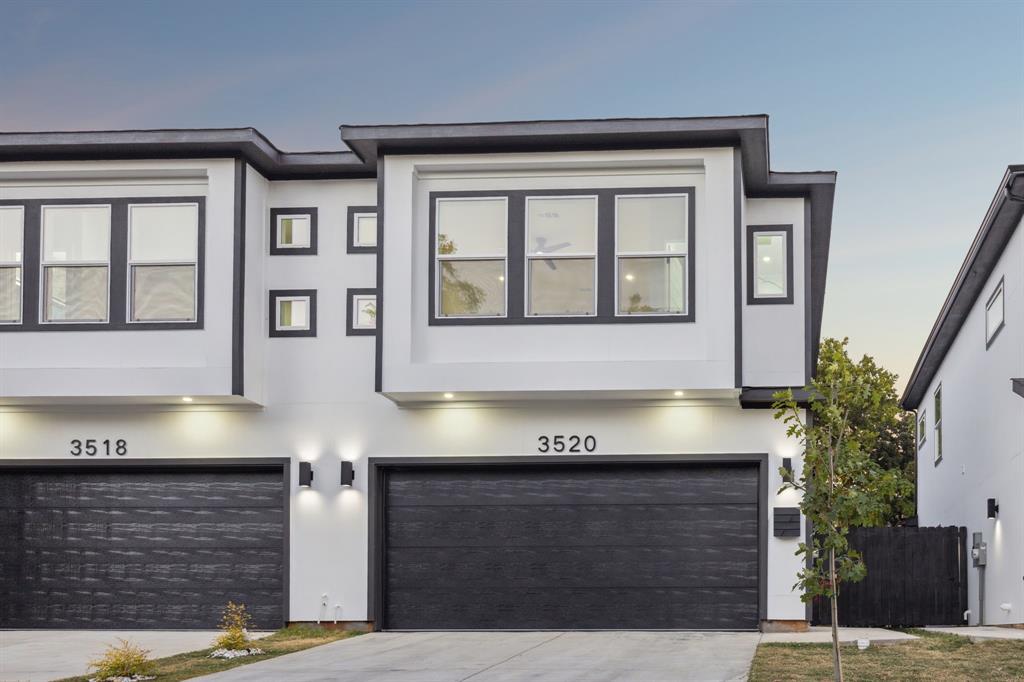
[
  {"x": 571, "y": 547},
  {"x": 98, "y": 547}
]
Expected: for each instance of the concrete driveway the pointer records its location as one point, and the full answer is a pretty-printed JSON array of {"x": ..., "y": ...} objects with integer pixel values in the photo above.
[
  {"x": 508, "y": 656},
  {"x": 39, "y": 655}
]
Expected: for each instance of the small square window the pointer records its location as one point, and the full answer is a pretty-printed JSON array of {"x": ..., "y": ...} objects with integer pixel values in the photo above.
[
  {"x": 293, "y": 312},
  {"x": 362, "y": 229},
  {"x": 361, "y": 319},
  {"x": 293, "y": 231},
  {"x": 995, "y": 314}
]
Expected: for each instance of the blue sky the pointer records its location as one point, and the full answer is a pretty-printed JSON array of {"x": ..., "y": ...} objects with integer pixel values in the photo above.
[{"x": 919, "y": 106}]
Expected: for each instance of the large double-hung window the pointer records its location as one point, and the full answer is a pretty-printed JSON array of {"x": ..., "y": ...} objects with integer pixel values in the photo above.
[
  {"x": 471, "y": 248},
  {"x": 561, "y": 256},
  {"x": 76, "y": 263},
  {"x": 652, "y": 251},
  {"x": 163, "y": 252}
]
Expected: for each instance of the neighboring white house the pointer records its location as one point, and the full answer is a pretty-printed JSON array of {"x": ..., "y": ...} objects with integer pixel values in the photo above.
[
  {"x": 969, "y": 397},
  {"x": 480, "y": 376}
]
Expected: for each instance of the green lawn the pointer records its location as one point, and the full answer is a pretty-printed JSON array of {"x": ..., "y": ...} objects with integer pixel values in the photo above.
[
  {"x": 195, "y": 663},
  {"x": 935, "y": 657}
]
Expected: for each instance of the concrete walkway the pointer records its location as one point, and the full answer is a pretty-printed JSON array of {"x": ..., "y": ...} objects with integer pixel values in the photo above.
[
  {"x": 39, "y": 655},
  {"x": 980, "y": 633},
  {"x": 823, "y": 635},
  {"x": 513, "y": 656}
]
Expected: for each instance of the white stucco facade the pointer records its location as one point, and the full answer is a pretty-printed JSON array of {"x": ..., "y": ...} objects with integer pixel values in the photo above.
[{"x": 315, "y": 400}]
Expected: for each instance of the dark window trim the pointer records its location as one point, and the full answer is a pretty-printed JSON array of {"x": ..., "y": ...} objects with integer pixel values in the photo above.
[
  {"x": 377, "y": 474},
  {"x": 284, "y": 464},
  {"x": 351, "y": 246},
  {"x": 752, "y": 299},
  {"x": 606, "y": 258},
  {"x": 350, "y": 330},
  {"x": 999, "y": 289},
  {"x": 922, "y": 429},
  {"x": 937, "y": 423},
  {"x": 281, "y": 293},
  {"x": 310, "y": 250},
  {"x": 118, "y": 303}
]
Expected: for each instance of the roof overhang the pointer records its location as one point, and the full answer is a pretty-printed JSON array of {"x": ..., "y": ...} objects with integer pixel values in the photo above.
[
  {"x": 748, "y": 133},
  {"x": 244, "y": 143},
  {"x": 1001, "y": 220}
]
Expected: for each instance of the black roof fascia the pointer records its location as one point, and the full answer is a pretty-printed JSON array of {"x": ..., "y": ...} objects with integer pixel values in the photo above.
[
  {"x": 245, "y": 143},
  {"x": 998, "y": 226}
]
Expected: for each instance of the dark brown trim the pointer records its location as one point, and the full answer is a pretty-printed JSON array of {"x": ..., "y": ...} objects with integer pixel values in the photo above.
[
  {"x": 379, "y": 466},
  {"x": 238, "y": 281},
  {"x": 310, "y": 250},
  {"x": 515, "y": 305},
  {"x": 275, "y": 294},
  {"x": 752, "y": 299},
  {"x": 378, "y": 351},
  {"x": 350, "y": 329},
  {"x": 738, "y": 200},
  {"x": 350, "y": 244}
]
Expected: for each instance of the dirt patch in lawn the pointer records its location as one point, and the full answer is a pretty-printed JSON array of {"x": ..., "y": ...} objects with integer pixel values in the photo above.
[
  {"x": 196, "y": 663},
  {"x": 935, "y": 657}
]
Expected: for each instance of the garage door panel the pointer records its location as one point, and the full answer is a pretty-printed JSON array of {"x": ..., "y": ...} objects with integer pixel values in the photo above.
[
  {"x": 183, "y": 614},
  {"x": 551, "y": 486},
  {"x": 623, "y": 608},
  {"x": 530, "y": 567},
  {"x": 140, "y": 489},
  {"x": 603, "y": 546},
  {"x": 196, "y": 538},
  {"x": 585, "y": 524}
]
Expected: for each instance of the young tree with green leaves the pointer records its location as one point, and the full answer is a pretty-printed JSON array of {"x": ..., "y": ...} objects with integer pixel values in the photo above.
[{"x": 851, "y": 407}]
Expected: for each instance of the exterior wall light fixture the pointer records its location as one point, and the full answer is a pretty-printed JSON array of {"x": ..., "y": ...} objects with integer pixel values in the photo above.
[
  {"x": 993, "y": 507},
  {"x": 348, "y": 473},
  {"x": 305, "y": 474}
]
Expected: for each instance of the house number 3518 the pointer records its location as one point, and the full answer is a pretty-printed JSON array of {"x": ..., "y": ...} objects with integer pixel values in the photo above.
[
  {"x": 566, "y": 443},
  {"x": 92, "y": 447}
]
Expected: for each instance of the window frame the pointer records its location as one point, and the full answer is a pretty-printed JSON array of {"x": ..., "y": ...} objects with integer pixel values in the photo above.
[
  {"x": 44, "y": 264},
  {"x": 354, "y": 213},
  {"x": 117, "y": 280},
  {"x": 752, "y": 232},
  {"x": 998, "y": 291},
  {"x": 437, "y": 259},
  {"x": 922, "y": 429},
  {"x": 130, "y": 290},
  {"x": 20, "y": 265},
  {"x": 619, "y": 255},
  {"x": 276, "y": 295},
  {"x": 937, "y": 425},
  {"x": 350, "y": 318},
  {"x": 528, "y": 258},
  {"x": 279, "y": 213},
  {"x": 516, "y": 273}
]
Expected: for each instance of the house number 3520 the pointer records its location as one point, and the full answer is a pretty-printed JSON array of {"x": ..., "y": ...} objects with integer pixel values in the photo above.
[
  {"x": 566, "y": 443},
  {"x": 92, "y": 447}
]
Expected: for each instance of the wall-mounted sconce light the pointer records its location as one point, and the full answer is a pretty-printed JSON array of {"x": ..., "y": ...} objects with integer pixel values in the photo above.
[
  {"x": 787, "y": 466},
  {"x": 348, "y": 473},
  {"x": 305, "y": 474},
  {"x": 993, "y": 507}
]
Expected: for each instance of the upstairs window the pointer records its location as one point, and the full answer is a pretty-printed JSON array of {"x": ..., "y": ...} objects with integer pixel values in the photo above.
[
  {"x": 922, "y": 426},
  {"x": 76, "y": 263},
  {"x": 561, "y": 256},
  {"x": 471, "y": 247},
  {"x": 12, "y": 240},
  {"x": 652, "y": 251},
  {"x": 362, "y": 312},
  {"x": 995, "y": 313},
  {"x": 362, "y": 229},
  {"x": 163, "y": 252},
  {"x": 293, "y": 312},
  {"x": 293, "y": 231},
  {"x": 937, "y": 409},
  {"x": 769, "y": 264}
]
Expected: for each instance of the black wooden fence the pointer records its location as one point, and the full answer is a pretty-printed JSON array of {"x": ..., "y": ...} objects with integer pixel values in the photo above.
[{"x": 916, "y": 576}]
